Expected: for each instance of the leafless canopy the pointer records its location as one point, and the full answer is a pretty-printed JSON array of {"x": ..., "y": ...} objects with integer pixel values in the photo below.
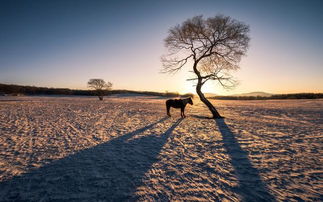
[
  {"x": 214, "y": 46},
  {"x": 99, "y": 84}
]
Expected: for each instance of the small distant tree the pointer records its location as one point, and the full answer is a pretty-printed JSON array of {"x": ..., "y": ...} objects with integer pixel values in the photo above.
[
  {"x": 99, "y": 86},
  {"x": 213, "y": 46}
]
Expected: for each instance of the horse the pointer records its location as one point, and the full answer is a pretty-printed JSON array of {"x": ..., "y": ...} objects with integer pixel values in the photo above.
[{"x": 178, "y": 103}]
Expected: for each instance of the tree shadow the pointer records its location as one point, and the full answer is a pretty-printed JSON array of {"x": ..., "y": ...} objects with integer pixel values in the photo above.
[
  {"x": 110, "y": 171},
  {"x": 200, "y": 117},
  {"x": 251, "y": 187}
]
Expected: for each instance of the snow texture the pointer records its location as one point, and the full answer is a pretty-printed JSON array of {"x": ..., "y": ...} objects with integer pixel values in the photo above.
[{"x": 125, "y": 149}]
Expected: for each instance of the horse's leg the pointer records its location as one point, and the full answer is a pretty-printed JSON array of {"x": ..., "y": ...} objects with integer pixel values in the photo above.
[
  {"x": 182, "y": 112},
  {"x": 168, "y": 108}
]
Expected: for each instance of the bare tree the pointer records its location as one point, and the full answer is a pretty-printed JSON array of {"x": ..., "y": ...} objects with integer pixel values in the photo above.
[
  {"x": 99, "y": 86},
  {"x": 213, "y": 46}
]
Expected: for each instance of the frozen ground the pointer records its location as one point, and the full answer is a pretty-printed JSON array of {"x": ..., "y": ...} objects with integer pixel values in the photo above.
[{"x": 125, "y": 149}]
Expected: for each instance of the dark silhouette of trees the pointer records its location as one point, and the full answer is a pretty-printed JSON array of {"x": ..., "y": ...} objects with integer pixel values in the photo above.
[
  {"x": 11, "y": 89},
  {"x": 273, "y": 97},
  {"x": 213, "y": 46},
  {"x": 99, "y": 86}
]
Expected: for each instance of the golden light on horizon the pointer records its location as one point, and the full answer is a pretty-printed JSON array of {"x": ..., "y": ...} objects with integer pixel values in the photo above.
[{"x": 189, "y": 87}]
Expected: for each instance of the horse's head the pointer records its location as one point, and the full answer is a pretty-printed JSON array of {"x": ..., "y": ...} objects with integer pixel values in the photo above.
[{"x": 190, "y": 101}]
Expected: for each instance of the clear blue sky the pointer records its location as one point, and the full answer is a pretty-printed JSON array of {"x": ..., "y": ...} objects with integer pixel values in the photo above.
[{"x": 65, "y": 43}]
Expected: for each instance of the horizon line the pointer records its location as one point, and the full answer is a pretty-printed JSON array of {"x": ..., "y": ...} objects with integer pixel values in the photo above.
[{"x": 166, "y": 91}]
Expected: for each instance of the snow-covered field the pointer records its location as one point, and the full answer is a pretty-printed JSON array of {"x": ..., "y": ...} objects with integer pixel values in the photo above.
[{"x": 126, "y": 149}]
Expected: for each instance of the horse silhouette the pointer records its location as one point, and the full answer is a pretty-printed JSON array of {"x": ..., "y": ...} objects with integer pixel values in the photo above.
[{"x": 178, "y": 103}]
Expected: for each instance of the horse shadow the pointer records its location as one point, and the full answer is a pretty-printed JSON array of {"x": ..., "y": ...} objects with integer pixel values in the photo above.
[
  {"x": 110, "y": 171},
  {"x": 251, "y": 187}
]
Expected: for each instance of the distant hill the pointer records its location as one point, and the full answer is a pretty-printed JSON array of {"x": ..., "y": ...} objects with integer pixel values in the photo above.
[
  {"x": 261, "y": 94},
  {"x": 272, "y": 97},
  {"x": 210, "y": 95}
]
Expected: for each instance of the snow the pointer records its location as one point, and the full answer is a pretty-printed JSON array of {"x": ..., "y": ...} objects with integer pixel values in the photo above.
[{"x": 125, "y": 148}]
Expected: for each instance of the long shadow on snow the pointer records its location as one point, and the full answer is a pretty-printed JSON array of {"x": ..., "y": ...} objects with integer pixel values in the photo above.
[
  {"x": 110, "y": 171},
  {"x": 251, "y": 187}
]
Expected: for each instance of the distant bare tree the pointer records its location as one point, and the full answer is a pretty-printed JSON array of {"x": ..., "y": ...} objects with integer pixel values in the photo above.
[
  {"x": 100, "y": 87},
  {"x": 213, "y": 46}
]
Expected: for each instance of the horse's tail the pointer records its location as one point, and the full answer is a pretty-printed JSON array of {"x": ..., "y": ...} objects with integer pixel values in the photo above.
[
  {"x": 167, "y": 104},
  {"x": 168, "y": 107}
]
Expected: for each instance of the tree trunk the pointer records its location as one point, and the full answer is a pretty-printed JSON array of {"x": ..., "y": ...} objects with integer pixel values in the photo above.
[
  {"x": 212, "y": 109},
  {"x": 100, "y": 94}
]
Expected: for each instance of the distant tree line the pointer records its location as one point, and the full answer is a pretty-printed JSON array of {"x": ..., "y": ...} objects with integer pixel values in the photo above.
[
  {"x": 272, "y": 97},
  {"x": 11, "y": 89}
]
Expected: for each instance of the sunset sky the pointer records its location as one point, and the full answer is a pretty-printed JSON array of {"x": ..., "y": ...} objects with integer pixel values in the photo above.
[{"x": 65, "y": 43}]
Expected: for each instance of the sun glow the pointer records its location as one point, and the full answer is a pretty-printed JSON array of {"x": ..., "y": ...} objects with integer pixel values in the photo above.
[
  {"x": 190, "y": 87},
  {"x": 209, "y": 88}
]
